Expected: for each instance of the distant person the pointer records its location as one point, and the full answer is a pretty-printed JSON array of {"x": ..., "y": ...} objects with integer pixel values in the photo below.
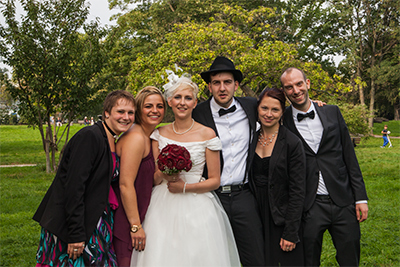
[
  {"x": 385, "y": 133},
  {"x": 336, "y": 198},
  {"x": 76, "y": 214},
  {"x": 85, "y": 121},
  {"x": 91, "y": 121},
  {"x": 58, "y": 122}
]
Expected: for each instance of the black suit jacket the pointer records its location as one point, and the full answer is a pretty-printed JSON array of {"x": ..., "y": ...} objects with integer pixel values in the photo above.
[
  {"x": 286, "y": 183},
  {"x": 335, "y": 159},
  {"x": 202, "y": 114},
  {"x": 78, "y": 195}
]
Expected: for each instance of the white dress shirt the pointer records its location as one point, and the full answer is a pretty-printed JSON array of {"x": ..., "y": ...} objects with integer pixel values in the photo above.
[
  {"x": 234, "y": 132},
  {"x": 311, "y": 130}
]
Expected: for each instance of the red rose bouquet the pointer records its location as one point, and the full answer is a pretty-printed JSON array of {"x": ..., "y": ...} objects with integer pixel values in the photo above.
[{"x": 173, "y": 159}]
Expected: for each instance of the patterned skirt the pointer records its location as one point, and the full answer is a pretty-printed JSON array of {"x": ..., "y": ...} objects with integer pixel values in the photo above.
[{"x": 98, "y": 252}]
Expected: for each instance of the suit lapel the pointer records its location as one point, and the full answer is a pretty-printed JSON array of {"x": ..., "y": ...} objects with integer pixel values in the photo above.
[
  {"x": 276, "y": 152},
  {"x": 324, "y": 119},
  {"x": 209, "y": 117},
  {"x": 248, "y": 110}
]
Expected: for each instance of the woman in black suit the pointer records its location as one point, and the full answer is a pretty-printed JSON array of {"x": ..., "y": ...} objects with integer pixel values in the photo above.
[
  {"x": 76, "y": 214},
  {"x": 277, "y": 178}
]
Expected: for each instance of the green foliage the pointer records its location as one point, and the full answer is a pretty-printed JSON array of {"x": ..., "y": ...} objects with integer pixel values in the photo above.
[
  {"x": 53, "y": 62},
  {"x": 356, "y": 118}
]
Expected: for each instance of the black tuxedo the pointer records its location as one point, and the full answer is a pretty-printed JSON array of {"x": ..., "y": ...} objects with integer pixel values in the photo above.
[
  {"x": 337, "y": 162},
  {"x": 335, "y": 159},
  {"x": 241, "y": 206}
]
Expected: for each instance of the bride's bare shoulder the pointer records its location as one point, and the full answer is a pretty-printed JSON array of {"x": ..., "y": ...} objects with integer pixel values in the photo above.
[{"x": 206, "y": 133}]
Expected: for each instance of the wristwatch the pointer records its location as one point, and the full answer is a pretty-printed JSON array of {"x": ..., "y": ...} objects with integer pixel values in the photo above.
[{"x": 135, "y": 228}]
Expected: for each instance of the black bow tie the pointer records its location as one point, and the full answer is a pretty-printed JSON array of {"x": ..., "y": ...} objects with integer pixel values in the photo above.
[
  {"x": 301, "y": 116},
  {"x": 222, "y": 111}
]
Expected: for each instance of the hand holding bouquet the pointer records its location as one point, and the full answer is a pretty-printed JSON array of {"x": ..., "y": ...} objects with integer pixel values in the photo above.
[{"x": 173, "y": 159}]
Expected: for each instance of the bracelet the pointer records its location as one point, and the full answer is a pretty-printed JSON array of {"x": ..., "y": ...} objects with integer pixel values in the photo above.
[{"x": 184, "y": 188}]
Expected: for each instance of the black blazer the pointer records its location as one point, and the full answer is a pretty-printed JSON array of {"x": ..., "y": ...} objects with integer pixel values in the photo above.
[
  {"x": 78, "y": 195},
  {"x": 286, "y": 183},
  {"x": 202, "y": 114},
  {"x": 335, "y": 159}
]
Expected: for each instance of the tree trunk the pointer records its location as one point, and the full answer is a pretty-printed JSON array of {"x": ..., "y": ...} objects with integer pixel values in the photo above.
[
  {"x": 371, "y": 105},
  {"x": 247, "y": 91},
  {"x": 360, "y": 85},
  {"x": 397, "y": 111},
  {"x": 47, "y": 150}
]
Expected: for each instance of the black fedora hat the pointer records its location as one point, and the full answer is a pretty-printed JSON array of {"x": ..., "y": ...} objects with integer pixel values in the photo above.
[{"x": 222, "y": 64}]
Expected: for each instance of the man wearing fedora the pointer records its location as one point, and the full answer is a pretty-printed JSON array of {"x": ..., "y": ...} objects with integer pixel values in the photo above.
[{"x": 234, "y": 121}]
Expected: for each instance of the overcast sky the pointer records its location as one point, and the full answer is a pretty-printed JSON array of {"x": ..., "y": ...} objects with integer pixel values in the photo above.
[{"x": 98, "y": 8}]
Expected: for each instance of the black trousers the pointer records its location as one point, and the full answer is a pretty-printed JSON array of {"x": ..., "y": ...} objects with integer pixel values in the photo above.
[
  {"x": 342, "y": 224},
  {"x": 245, "y": 220}
]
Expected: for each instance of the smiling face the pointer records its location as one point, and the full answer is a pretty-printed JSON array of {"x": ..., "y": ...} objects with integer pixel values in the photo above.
[
  {"x": 223, "y": 86},
  {"x": 269, "y": 112},
  {"x": 296, "y": 89},
  {"x": 183, "y": 102},
  {"x": 121, "y": 116},
  {"x": 153, "y": 110}
]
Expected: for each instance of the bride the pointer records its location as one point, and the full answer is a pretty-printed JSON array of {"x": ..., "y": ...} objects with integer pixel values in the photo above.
[{"x": 185, "y": 223}]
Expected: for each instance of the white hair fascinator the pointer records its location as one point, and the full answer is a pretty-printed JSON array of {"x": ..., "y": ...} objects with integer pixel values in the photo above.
[{"x": 175, "y": 81}]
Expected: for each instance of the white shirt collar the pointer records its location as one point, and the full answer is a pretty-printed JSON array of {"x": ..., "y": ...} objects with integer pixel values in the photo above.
[
  {"x": 215, "y": 107},
  {"x": 295, "y": 111}
]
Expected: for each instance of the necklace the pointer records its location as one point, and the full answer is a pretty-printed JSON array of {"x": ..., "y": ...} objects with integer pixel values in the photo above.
[
  {"x": 265, "y": 140},
  {"x": 190, "y": 128},
  {"x": 115, "y": 136}
]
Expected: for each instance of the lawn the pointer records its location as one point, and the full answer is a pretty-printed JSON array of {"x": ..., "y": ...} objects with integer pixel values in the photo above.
[{"x": 22, "y": 188}]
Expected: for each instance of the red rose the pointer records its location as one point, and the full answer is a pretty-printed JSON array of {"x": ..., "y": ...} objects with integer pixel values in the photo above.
[
  {"x": 160, "y": 165},
  {"x": 175, "y": 150},
  {"x": 170, "y": 163},
  {"x": 180, "y": 163},
  {"x": 189, "y": 165},
  {"x": 186, "y": 154}
]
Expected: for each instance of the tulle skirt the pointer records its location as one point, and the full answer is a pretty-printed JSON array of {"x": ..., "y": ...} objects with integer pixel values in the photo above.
[{"x": 186, "y": 230}]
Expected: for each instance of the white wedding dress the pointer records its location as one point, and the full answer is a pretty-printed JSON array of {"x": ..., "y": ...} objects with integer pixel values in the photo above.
[{"x": 187, "y": 229}]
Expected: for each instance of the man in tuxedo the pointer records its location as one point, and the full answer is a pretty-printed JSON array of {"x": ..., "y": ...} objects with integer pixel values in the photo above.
[
  {"x": 234, "y": 121},
  {"x": 336, "y": 198}
]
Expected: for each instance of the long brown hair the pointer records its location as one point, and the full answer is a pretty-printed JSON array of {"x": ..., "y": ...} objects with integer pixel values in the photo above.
[{"x": 141, "y": 97}]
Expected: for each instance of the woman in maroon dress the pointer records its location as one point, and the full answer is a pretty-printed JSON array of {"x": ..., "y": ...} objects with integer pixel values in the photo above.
[{"x": 136, "y": 176}]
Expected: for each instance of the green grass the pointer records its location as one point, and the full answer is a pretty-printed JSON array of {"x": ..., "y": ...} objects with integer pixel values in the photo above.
[
  {"x": 22, "y": 188},
  {"x": 20, "y": 144}
]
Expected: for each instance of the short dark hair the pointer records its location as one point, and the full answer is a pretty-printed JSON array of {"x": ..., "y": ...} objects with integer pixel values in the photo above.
[
  {"x": 274, "y": 92},
  {"x": 141, "y": 97},
  {"x": 112, "y": 99},
  {"x": 289, "y": 70}
]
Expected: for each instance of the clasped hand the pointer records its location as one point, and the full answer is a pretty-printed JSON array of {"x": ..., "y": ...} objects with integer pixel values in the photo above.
[{"x": 175, "y": 184}]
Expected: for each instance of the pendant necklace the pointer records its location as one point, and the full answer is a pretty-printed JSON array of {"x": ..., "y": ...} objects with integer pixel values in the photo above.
[
  {"x": 111, "y": 132},
  {"x": 190, "y": 128},
  {"x": 265, "y": 141}
]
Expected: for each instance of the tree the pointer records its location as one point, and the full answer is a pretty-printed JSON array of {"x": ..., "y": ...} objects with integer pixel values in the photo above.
[
  {"x": 374, "y": 27},
  {"x": 194, "y": 46},
  {"x": 53, "y": 63}
]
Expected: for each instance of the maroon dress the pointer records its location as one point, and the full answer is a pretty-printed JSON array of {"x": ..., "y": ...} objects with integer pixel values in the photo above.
[{"x": 143, "y": 184}]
